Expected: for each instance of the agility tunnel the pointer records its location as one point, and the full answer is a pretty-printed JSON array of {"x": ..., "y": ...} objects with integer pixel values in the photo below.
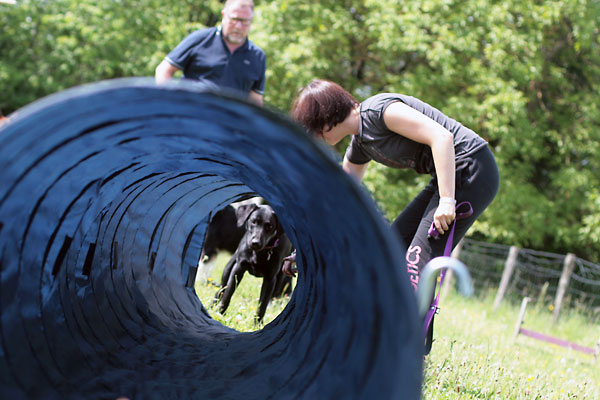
[{"x": 104, "y": 194}]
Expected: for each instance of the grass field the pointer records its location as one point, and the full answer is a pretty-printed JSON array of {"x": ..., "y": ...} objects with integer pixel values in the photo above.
[{"x": 474, "y": 355}]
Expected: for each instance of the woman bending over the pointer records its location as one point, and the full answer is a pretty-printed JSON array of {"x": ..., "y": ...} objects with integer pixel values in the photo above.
[{"x": 401, "y": 131}]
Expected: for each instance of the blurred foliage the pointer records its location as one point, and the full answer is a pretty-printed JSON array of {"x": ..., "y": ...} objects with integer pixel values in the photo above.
[
  {"x": 524, "y": 75},
  {"x": 50, "y": 45}
]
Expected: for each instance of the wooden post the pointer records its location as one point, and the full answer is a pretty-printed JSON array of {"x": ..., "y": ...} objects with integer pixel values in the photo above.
[
  {"x": 521, "y": 315},
  {"x": 449, "y": 278},
  {"x": 563, "y": 284},
  {"x": 509, "y": 267},
  {"x": 542, "y": 295}
]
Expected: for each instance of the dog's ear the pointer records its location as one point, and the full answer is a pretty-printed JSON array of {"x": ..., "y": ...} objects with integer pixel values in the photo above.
[
  {"x": 243, "y": 212},
  {"x": 278, "y": 225}
]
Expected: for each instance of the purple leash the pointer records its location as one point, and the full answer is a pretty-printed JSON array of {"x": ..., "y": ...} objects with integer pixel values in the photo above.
[{"x": 447, "y": 252}]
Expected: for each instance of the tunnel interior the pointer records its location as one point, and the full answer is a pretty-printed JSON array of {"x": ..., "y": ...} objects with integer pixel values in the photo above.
[{"x": 105, "y": 193}]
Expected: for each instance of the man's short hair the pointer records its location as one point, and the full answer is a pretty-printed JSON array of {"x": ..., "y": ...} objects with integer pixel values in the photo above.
[{"x": 230, "y": 3}]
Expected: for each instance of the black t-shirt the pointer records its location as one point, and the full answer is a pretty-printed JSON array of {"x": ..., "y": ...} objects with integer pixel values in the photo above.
[{"x": 375, "y": 141}]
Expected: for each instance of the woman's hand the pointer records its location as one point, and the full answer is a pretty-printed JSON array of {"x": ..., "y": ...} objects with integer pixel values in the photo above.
[
  {"x": 444, "y": 214},
  {"x": 289, "y": 268}
]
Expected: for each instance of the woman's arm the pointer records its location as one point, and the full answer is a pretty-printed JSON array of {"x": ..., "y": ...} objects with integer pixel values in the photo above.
[
  {"x": 356, "y": 170},
  {"x": 415, "y": 126}
]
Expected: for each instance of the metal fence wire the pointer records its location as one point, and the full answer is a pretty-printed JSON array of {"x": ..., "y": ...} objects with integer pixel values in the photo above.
[
  {"x": 532, "y": 270},
  {"x": 585, "y": 283},
  {"x": 536, "y": 274},
  {"x": 485, "y": 262}
]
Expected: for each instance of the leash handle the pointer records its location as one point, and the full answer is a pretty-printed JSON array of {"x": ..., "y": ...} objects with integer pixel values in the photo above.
[
  {"x": 447, "y": 252},
  {"x": 433, "y": 232}
]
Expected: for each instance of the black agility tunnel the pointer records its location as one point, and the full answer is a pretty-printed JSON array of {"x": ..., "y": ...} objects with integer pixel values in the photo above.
[{"x": 104, "y": 194}]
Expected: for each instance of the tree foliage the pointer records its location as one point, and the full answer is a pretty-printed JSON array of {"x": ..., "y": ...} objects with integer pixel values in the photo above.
[
  {"x": 49, "y": 45},
  {"x": 524, "y": 75}
]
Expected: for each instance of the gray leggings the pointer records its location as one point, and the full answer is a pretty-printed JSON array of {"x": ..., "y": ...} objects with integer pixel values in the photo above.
[{"x": 477, "y": 181}]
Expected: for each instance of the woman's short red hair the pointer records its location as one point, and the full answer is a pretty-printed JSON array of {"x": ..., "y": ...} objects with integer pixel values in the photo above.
[{"x": 321, "y": 105}]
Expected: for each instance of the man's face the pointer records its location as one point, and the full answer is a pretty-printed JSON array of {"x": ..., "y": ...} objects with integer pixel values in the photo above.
[{"x": 236, "y": 23}]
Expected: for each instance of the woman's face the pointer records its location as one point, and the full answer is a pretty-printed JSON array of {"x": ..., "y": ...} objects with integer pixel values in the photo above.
[{"x": 334, "y": 135}]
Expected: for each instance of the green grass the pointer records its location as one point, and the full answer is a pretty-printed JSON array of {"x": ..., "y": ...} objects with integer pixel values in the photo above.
[{"x": 475, "y": 355}]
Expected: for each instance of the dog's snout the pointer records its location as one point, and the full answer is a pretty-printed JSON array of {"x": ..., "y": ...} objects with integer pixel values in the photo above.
[{"x": 255, "y": 245}]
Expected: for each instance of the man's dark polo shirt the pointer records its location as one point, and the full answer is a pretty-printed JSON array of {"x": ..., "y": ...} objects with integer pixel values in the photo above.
[{"x": 204, "y": 56}]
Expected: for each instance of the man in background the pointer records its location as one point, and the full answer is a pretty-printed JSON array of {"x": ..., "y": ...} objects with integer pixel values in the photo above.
[{"x": 221, "y": 56}]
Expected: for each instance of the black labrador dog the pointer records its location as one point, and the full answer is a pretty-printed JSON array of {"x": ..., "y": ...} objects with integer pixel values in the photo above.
[{"x": 260, "y": 253}]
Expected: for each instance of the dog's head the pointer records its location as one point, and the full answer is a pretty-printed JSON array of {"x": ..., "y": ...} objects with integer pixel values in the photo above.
[{"x": 262, "y": 225}]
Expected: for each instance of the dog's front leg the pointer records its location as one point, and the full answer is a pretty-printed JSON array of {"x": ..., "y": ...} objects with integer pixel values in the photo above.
[
  {"x": 266, "y": 292},
  {"x": 237, "y": 273},
  {"x": 224, "y": 279},
  {"x": 227, "y": 270}
]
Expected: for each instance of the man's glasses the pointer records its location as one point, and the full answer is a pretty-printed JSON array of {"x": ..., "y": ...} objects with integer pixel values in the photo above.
[{"x": 242, "y": 21}]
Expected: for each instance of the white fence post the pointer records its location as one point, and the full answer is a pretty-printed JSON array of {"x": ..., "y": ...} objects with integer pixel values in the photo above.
[
  {"x": 521, "y": 316},
  {"x": 509, "y": 267},
  {"x": 563, "y": 284}
]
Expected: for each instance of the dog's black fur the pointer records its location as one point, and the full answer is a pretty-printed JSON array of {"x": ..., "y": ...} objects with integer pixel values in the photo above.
[
  {"x": 260, "y": 252},
  {"x": 223, "y": 233}
]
